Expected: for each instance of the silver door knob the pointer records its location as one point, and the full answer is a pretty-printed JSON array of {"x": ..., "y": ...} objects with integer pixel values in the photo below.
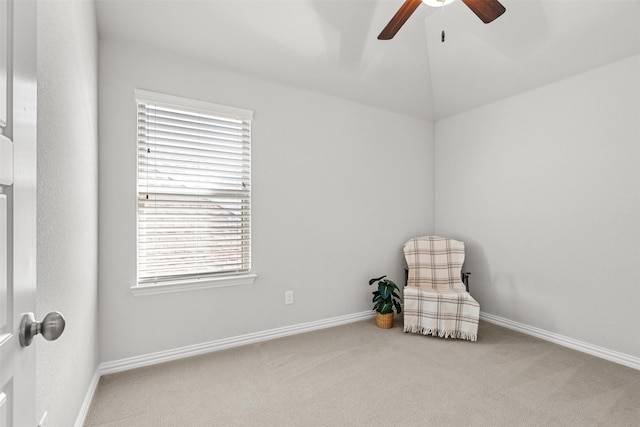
[{"x": 51, "y": 327}]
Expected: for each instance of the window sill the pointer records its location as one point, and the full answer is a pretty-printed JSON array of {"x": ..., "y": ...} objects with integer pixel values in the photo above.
[{"x": 193, "y": 284}]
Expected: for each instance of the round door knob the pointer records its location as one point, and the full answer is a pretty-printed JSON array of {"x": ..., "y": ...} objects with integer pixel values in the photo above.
[{"x": 51, "y": 327}]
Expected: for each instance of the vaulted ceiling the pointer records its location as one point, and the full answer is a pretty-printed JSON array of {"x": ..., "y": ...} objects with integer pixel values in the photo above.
[{"x": 331, "y": 46}]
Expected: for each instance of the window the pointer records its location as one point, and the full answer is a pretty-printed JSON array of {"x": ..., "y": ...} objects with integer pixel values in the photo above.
[{"x": 194, "y": 191}]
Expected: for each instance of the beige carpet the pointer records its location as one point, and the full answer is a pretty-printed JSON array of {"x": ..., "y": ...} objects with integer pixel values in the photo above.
[{"x": 359, "y": 375}]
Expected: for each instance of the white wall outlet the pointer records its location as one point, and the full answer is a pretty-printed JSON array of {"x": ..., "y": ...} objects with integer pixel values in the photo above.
[{"x": 288, "y": 297}]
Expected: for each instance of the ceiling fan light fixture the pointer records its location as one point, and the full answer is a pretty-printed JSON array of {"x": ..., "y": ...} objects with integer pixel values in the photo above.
[{"x": 437, "y": 3}]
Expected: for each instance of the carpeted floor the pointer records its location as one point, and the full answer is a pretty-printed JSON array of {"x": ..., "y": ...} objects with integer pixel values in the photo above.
[{"x": 359, "y": 375}]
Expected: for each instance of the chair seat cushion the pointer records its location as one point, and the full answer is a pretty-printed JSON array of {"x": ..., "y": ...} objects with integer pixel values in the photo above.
[{"x": 448, "y": 314}]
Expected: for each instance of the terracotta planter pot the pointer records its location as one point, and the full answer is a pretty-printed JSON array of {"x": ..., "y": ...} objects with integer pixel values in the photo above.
[{"x": 384, "y": 321}]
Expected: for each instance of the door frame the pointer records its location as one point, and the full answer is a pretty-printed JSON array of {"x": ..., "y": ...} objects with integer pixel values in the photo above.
[{"x": 18, "y": 363}]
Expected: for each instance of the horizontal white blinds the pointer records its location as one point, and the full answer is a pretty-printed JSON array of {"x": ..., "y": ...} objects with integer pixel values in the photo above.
[{"x": 194, "y": 199}]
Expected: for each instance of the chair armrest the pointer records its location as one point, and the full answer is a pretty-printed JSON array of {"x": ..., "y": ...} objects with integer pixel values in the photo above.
[{"x": 465, "y": 280}]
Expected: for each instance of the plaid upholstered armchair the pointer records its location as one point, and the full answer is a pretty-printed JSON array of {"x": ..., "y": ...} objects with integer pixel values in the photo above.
[{"x": 436, "y": 301}]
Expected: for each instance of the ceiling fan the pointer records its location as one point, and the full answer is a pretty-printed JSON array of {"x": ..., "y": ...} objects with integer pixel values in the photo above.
[{"x": 486, "y": 10}]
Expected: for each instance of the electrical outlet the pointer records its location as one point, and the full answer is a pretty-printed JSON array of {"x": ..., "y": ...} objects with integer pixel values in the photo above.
[{"x": 288, "y": 297}]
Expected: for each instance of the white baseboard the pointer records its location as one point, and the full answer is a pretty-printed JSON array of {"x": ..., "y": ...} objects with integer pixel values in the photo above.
[
  {"x": 88, "y": 398},
  {"x": 208, "y": 347},
  {"x": 194, "y": 350},
  {"x": 584, "y": 347}
]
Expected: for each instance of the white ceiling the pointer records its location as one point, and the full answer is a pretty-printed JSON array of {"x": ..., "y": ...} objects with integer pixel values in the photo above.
[{"x": 331, "y": 45}]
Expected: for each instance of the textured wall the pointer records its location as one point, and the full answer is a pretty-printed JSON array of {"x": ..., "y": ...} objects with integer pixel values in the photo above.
[
  {"x": 337, "y": 189},
  {"x": 67, "y": 204},
  {"x": 545, "y": 189}
]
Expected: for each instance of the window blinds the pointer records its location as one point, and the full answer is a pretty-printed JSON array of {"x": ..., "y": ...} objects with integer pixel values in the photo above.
[{"x": 193, "y": 190}]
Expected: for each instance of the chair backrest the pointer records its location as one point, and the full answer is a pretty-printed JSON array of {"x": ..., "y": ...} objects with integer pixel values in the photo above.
[{"x": 435, "y": 263}]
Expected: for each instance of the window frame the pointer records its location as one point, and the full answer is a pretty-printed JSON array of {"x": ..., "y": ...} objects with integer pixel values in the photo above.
[{"x": 195, "y": 282}]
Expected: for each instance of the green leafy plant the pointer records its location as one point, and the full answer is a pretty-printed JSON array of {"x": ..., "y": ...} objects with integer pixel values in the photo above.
[{"x": 386, "y": 297}]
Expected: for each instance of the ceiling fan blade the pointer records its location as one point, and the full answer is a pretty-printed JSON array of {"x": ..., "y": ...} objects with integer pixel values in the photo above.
[
  {"x": 487, "y": 10},
  {"x": 399, "y": 19}
]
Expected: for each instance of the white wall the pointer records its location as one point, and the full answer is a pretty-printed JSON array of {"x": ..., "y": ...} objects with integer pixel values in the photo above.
[
  {"x": 545, "y": 189},
  {"x": 67, "y": 215},
  {"x": 337, "y": 189}
]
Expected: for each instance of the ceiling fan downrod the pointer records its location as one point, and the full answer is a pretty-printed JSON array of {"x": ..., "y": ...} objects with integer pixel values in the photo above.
[{"x": 442, "y": 35}]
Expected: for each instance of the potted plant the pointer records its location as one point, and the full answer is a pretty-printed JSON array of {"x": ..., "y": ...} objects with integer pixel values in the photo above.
[{"x": 384, "y": 301}]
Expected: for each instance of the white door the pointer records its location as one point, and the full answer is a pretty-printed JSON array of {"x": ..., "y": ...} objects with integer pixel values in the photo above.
[{"x": 17, "y": 208}]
